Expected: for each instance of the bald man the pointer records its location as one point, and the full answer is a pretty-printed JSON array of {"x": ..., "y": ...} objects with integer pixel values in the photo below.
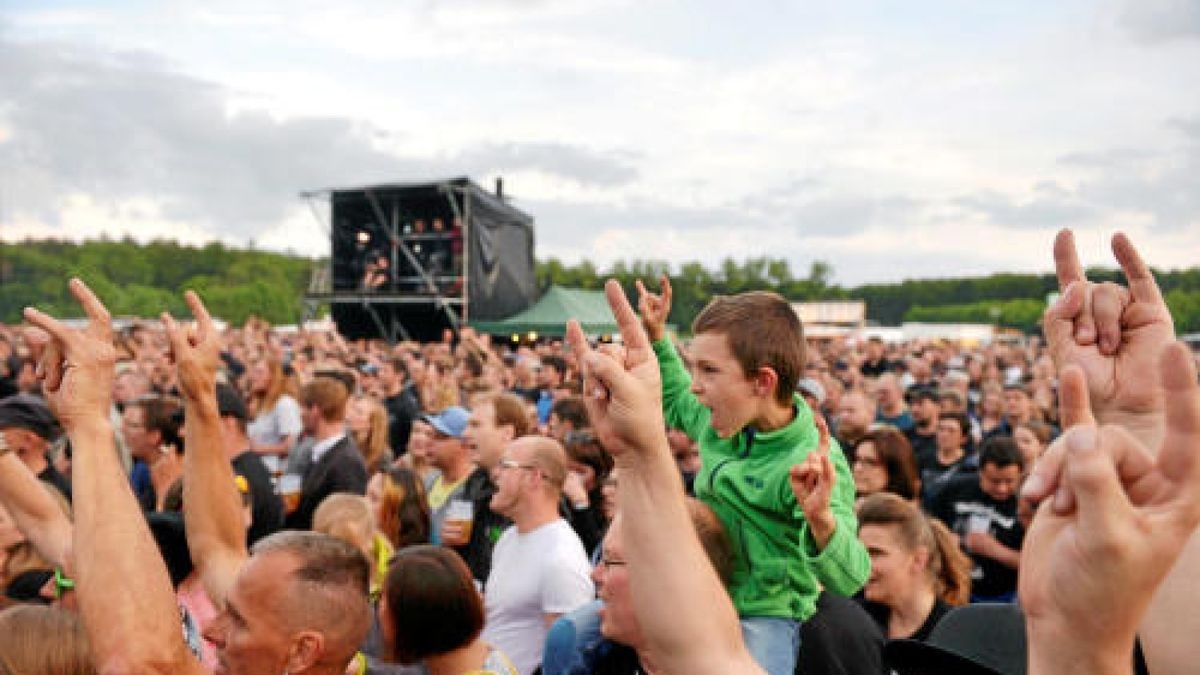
[{"x": 539, "y": 568}]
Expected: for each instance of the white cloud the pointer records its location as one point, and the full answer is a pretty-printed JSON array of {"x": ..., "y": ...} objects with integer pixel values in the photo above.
[{"x": 946, "y": 139}]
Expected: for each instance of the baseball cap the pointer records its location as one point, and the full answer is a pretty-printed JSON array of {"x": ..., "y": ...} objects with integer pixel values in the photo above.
[
  {"x": 25, "y": 411},
  {"x": 981, "y": 639},
  {"x": 811, "y": 387},
  {"x": 452, "y": 421},
  {"x": 26, "y": 587}
]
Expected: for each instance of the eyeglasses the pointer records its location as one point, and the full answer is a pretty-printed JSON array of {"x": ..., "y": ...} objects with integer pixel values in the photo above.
[
  {"x": 514, "y": 464},
  {"x": 578, "y": 438},
  {"x": 609, "y": 563},
  {"x": 62, "y": 583}
]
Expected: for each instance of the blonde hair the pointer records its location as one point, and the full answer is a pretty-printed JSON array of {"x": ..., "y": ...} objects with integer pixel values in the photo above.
[
  {"x": 259, "y": 403},
  {"x": 347, "y": 517},
  {"x": 373, "y": 443},
  {"x": 43, "y": 640}
]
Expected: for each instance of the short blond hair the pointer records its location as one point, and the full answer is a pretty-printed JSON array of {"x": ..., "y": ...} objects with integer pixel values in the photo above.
[
  {"x": 549, "y": 457},
  {"x": 346, "y": 516}
]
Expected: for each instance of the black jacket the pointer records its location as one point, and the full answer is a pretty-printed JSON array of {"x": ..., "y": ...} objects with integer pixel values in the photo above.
[{"x": 341, "y": 469}]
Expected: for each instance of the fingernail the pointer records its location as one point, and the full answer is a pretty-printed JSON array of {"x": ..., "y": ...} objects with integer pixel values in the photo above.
[
  {"x": 1033, "y": 487},
  {"x": 1086, "y": 333},
  {"x": 1062, "y": 500}
]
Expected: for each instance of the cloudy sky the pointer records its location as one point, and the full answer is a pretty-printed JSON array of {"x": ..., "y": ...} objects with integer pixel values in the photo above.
[{"x": 891, "y": 138}]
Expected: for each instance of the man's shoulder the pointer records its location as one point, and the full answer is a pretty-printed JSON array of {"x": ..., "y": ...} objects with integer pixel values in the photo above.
[
  {"x": 247, "y": 461},
  {"x": 556, "y": 542},
  {"x": 345, "y": 457},
  {"x": 964, "y": 488},
  {"x": 965, "y": 485}
]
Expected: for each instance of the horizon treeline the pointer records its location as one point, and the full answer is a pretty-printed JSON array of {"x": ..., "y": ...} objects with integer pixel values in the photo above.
[{"x": 142, "y": 280}]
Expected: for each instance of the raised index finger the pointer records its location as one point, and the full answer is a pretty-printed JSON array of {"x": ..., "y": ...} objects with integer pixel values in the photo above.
[
  {"x": 577, "y": 340},
  {"x": 1066, "y": 259},
  {"x": 204, "y": 321},
  {"x": 1142, "y": 285},
  {"x": 101, "y": 321},
  {"x": 632, "y": 333},
  {"x": 665, "y": 282},
  {"x": 822, "y": 433}
]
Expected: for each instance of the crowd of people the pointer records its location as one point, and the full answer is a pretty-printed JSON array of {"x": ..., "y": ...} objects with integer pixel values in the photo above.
[{"x": 179, "y": 498}]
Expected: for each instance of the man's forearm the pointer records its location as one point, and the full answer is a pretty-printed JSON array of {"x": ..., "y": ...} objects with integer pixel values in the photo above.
[
  {"x": 1002, "y": 554},
  {"x": 123, "y": 588},
  {"x": 678, "y": 597},
  {"x": 212, "y": 512},
  {"x": 36, "y": 514},
  {"x": 1171, "y": 622}
]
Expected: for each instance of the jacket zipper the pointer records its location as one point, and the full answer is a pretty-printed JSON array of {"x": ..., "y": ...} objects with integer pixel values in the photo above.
[{"x": 712, "y": 478}]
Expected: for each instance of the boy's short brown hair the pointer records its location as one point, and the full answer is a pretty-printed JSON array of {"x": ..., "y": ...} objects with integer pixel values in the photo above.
[{"x": 763, "y": 330}]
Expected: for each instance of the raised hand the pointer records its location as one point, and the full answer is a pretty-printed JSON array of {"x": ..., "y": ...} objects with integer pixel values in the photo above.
[
  {"x": 812, "y": 483},
  {"x": 77, "y": 365},
  {"x": 195, "y": 350},
  {"x": 622, "y": 387},
  {"x": 1131, "y": 510},
  {"x": 1115, "y": 335},
  {"x": 655, "y": 308}
]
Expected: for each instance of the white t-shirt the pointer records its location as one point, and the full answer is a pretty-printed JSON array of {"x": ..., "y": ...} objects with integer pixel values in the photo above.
[
  {"x": 541, "y": 572},
  {"x": 278, "y": 423}
]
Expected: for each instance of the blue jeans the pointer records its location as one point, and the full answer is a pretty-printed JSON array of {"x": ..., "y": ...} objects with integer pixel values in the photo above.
[
  {"x": 572, "y": 641},
  {"x": 774, "y": 642}
]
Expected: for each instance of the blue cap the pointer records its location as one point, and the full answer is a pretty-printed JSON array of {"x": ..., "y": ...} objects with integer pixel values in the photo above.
[{"x": 452, "y": 421}]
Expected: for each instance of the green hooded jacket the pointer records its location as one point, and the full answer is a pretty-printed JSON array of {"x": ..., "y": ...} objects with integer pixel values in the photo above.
[{"x": 778, "y": 571}]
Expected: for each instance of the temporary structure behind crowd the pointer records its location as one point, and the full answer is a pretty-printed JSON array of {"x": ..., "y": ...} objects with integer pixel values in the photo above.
[
  {"x": 549, "y": 316},
  {"x": 411, "y": 259}
]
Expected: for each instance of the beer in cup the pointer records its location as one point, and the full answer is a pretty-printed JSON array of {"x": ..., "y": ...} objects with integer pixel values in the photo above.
[
  {"x": 461, "y": 512},
  {"x": 289, "y": 490}
]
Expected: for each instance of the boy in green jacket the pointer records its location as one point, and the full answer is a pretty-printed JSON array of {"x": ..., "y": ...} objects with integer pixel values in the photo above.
[{"x": 782, "y": 488}]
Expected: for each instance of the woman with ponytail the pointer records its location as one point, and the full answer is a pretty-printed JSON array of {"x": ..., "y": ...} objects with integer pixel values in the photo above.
[{"x": 918, "y": 571}]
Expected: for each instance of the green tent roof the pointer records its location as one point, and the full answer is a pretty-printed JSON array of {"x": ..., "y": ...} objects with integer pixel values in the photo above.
[{"x": 548, "y": 316}]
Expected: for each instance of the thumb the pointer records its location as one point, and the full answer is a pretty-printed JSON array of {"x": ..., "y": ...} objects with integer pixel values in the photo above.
[{"x": 1073, "y": 400}]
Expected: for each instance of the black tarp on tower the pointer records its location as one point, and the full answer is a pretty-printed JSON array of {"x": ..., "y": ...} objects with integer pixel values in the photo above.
[{"x": 411, "y": 259}]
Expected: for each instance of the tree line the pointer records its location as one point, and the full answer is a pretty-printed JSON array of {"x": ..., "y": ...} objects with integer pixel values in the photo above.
[
  {"x": 1005, "y": 299},
  {"x": 142, "y": 280}
]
